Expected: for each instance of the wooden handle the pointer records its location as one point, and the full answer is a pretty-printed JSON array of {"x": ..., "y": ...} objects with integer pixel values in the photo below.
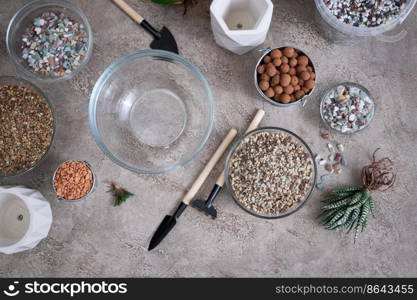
[
  {"x": 210, "y": 165},
  {"x": 252, "y": 126},
  {"x": 129, "y": 11},
  {"x": 256, "y": 120}
]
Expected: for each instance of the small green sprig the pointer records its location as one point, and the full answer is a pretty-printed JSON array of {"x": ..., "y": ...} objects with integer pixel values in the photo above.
[{"x": 119, "y": 193}]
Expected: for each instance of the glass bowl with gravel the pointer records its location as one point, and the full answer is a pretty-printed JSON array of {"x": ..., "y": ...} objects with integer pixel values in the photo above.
[
  {"x": 270, "y": 172},
  {"x": 27, "y": 126},
  {"x": 347, "y": 108},
  {"x": 49, "y": 40}
]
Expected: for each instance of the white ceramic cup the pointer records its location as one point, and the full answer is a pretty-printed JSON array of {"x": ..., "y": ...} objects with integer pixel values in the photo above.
[
  {"x": 240, "y": 25},
  {"x": 25, "y": 218}
]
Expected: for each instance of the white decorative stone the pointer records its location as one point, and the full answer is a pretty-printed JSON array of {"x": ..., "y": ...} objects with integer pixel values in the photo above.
[{"x": 240, "y": 25}]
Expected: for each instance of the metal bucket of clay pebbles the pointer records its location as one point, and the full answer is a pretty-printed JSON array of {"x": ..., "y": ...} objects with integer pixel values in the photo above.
[
  {"x": 347, "y": 21},
  {"x": 285, "y": 76}
]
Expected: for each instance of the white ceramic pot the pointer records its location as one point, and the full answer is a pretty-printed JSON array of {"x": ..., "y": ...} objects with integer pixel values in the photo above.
[
  {"x": 240, "y": 25},
  {"x": 25, "y": 218}
]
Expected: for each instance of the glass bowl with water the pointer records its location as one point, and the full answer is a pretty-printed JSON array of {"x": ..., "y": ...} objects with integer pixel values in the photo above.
[{"x": 151, "y": 111}]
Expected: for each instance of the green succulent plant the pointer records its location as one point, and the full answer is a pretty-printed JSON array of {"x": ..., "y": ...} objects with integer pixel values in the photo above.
[{"x": 350, "y": 207}]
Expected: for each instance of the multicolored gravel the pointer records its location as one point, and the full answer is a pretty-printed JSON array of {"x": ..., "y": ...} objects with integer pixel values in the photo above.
[
  {"x": 365, "y": 13},
  {"x": 347, "y": 108},
  {"x": 54, "y": 45}
]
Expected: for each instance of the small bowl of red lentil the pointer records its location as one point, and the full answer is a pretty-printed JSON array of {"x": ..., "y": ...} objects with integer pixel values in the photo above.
[{"x": 73, "y": 180}]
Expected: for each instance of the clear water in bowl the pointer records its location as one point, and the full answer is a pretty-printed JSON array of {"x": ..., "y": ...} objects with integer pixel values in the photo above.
[{"x": 158, "y": 117}]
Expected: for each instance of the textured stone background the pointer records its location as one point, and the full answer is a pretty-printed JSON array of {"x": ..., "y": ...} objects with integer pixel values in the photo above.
[{"x": 92, "y": 238}]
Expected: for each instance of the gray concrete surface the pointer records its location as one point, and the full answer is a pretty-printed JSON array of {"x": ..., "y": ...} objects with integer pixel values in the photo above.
[{"x": 92, "y": 238}]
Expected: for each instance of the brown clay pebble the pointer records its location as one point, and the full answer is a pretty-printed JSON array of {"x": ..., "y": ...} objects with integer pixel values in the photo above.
[
  {"x": 276, "y": 53},
  {"x": 275, "y": 80},
  {"x": 261, "y": 69},
  {"x": 312, "y": 75},
  {"x": 267, "y": 59},
  {"x": 310, "y": 68},
  {"x": 297, "y": 88},
  {"x": 304, "y": 76},
  {"x": 294, "y": 80},
  {"x": 285, "y": 80},
  {"x": 299, "y": 94},
  {"x": 306, "y": 90},
  {"x": 288, "y": 52},
  {"x": 296, "y": 54},
  {"x": 285, "y": 68},
  {"x": 264, "y": 77},
  {"x": 293, "y": 62},
  {"x": 303, "y": 60},
  {"x": 285, "y": 98},
  {"x": 292, "y": 98},
  {"x": 272, "y": 71},
  {"x": 277, "y": 62},
  {"x": 276, "y": 97},
  {"x": 301, "y": 69},
  {"x": 264, "y": 85},
  {"x": 310, "y": 84},
  {"x": 300, "y": 82},
  {"x": 289, "y": 90},
  {"x": 284, "y": 60},
  {"x": 73, "y": 180},
  {"x": 292, "y": 72},
  {"x": 278, "y": 90},
  {"x": 269, "y": 65},
  {"x": 270, "y": 93}
]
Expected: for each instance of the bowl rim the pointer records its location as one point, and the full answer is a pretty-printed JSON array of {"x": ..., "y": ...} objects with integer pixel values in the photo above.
[
  {"x": 238, "y": 142},
  {"x": 32, "y": 5},
  {"x": 54, "y": 123},
  {"x": 353, "y": 84},
  {"x": 303, "y": 100},
  {"x": 166, "y": 55}
]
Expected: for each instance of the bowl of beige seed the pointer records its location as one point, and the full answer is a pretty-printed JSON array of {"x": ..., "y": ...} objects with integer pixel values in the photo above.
[
  {"x": 270, "y": 172},
  {"x": 27, "y": 126}
]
